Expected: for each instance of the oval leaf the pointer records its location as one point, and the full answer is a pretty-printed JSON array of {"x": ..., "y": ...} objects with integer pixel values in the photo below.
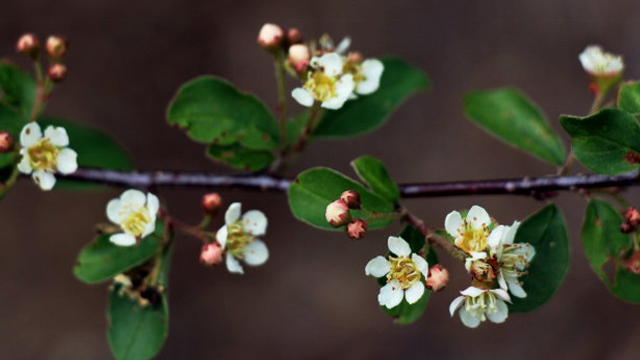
[
  {"x": 240, "y": 157},
  {"x": 607, "y": 142},
  {"x": 546, "y": 231},
  {"x": 316, "y": 188},
  {"x": 509, "y": 116},
  {"x": 374, "y": 174},
  {"x": 399, "y": 81},
  {"x": 629, "y": 97}
]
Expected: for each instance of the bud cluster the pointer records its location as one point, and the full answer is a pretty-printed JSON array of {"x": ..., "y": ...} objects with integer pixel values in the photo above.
[
  {"x": 338, "y": 213},
  {"x": 56, "y": 48},
  {"x": 631, "y": 220}
]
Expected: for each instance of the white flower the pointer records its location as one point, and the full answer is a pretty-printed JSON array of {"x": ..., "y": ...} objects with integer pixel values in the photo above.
[
  {"x": 513, "y": 258},
  {"x": 599, "y": 63},
  {"x": 136, "y": 215},
  {"x": 470, "y": 233},
  {"x": 326, "y": 83},
  {"x": 238, "y": 238},
  {"x": 45, "y": 155},
  {"x": 480, "y": 304},
  {"x": 404, "y": 274}
]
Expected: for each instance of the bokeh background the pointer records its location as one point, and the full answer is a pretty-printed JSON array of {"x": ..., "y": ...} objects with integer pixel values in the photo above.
[{"x": 311, "y": 300}]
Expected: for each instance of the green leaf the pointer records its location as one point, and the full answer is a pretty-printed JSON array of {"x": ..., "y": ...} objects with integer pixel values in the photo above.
[
  {"x": 241, "y": 157},
  {"x": 316, "y": 188},
  {"x": 213, "y": 111},
  {"x": 136, "y": 332},
  {"x": 546, "y": 231},
  {"x": 509, "y": 116},
  {"x": 374, "y": 174},
  {"x": 627, "y": 285},
  {"x": 103, "y": 260},
  {"x": 399, "y": 81},
  {"x": 12, "y": 122},
  {"x": 18, "y": 89},
  {"x": 607, "y": 142},
  {"x": 629, "y": 97}
]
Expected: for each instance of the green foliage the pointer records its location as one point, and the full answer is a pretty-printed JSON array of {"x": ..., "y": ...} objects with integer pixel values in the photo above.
[
  {"x": 607, "y": 142},
  {"x": 375, "y": 175},
  {"x": 546, "y": 231},
  {"x": 509, "y": 116},
  {"x": 399, "y": 81},
  {"x": 629, "y": 97},
  {"x": 241, "y": 157},
  {"x": 316, "y": 188},
  {"x": 136, "y": 332},
  {"x": 19, "y": 89}
]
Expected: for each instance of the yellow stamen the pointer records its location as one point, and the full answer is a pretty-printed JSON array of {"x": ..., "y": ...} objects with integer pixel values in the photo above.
[
  {"x": 43, "y": 155},
  {"x": 404, "y": 271}
]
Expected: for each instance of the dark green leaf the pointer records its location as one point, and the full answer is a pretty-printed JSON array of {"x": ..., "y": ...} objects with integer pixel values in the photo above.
[
  {"x": 136, "y": 332},
  {"x": 18, "y": 89},
  {"x": 374, "y": 174},
  {"x": 627, "y": 285},
  {"x": 546, "y": 231},
  {"x": 607, "y": 142},
  {"x": 316, "y": 188},
  {"x": 509, "y": 116},
  {"x": 241, "y": 157},
  {"x": 629, "y": 97},
  {"x": 213, "y": 111},
  {"x": 399, "y": 81},
  {"x": 12, "y": 122}
]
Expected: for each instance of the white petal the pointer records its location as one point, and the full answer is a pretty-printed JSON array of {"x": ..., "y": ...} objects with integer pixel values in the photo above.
[
  {"x": 123, "y": 239},
  {"x": 221, "y": 236},
  {"x": 453, "y": 224},
  {"x": 233, "y": 213},
  {"x": 378, "y": 267},
  {"x": 133, "y": 197},
  {"x": 332, "y": 64},
  {"x": 344, "y": 86},
  {"x": 153, "y": 204},
  {"x": 45, "y": 180},
  {"x": 478, "y": 217},
  {"x": 421, "y": 264},
  {"x": 343, "y": 46},
  {"x": 415, "y": 292},
  {"x": 372, "y": 71},
  {"x": 502, "y": 282},
  {"x": 30, "y": 135},
  {"x": 511, "y": 234},
  {"x": 516, "y": 289},
  {"x": 302, "y": 96},
  {"x": 455, "y": 304},
  {"x": 57, "y": 136},
  {"x": 468, "y": 319},
  {"x": 113, "y": 211},
  {"x": 398, "y": 246},
  {"x": 256, "y": 253},
  {"x": 495, "y": 238},
  {"x": 233, "y": 265},
  {"x": 255, "y": 222},
  {"x": 67, "y": 161},
  {"x": 25, "y": 165},
  {"x": 390, "y": 295},
  {"x": 149, "y": 228},
  {"x": 501, "y": 314},
  {"x": 334, "y": 103},
  {"x": 472, "y": 291},
  {"x": 501, "y": 294}
]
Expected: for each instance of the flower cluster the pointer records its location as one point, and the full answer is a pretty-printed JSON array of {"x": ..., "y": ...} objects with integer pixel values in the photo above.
[{"x": 495, "y": 263}]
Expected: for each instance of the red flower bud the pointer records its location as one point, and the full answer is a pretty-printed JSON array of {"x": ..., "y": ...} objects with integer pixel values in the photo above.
[
  {"x": 294, "y": 36},
  {"x": 438, "y": 278},
  {"x": 357, "y": 229},
  {"x": 211, "y": 254},
  {"x": 212, "y": 203},
  {"x": 57, "y": 73},
  {"x": 351, "y": 198},
  {"x": 337, "y": 214},
  {"x": 56, "y": 46},
  {"x": 270, "y": 36},
  {"x": 6, "y": 142},
  {"x": 28, "y": 45},
  {"x": 632, "y": 216}
]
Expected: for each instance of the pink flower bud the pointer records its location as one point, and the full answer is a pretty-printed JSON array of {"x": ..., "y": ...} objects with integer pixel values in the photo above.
[
  {"x": 212, "y": 203},
  {"x": 6, "y": 142},
  {"x": 351, "y": 198},
  {"x": 28, "y": 45},
  {"x": 438, "y": 278},
  {"x": 294, "y": 36},
  {"x": 270, "y": 36},
  {"x": 632, "y": 216},
  {"x": 357, "y": 229},
  {"x": 338, "y": 214},
  {"x": 211, "y": 254},
  {"x": 57, "y": 73},
  {"x": 299, "y": 56},
  {"x": 355, "y": 57},
  {"x": 56, "y": 46}
]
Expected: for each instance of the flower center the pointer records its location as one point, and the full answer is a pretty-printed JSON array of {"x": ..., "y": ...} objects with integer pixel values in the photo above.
[
  {"x": 237, "y": 238},
  {"x": 404, "y": 271},
  {"x": 322, "y": 86},
  {"x": 136, "y": 221},
  {"x": 472, "y": 239},
  {"x": 481, "y": 304},
  {"x": 43, "y": 155},
  {"x": 354, "y": 69}
]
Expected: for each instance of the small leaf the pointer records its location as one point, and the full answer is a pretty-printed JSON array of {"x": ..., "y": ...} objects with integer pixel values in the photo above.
[
  {"x": 374, "y": 174},
  {"x": 399, "y": 81},
  {"x": 316, "y": 188},
  {"x": 213, "y": 111},
  {"x": 546, "y": 231},
  {"x": 136, "y": 332},
  {"x": 240, "y": 157},
  {"x": 607, "y": 142},
  {"x": 629, "y": 97},
  {"x": 509, "y": 116},
  {"x": 18, "y": 89}
]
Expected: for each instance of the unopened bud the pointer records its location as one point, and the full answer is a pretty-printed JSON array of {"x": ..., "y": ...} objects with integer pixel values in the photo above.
[
  {"x": 294, "y": 36},
  {"x": 211, "y": 254},
  {"x": 632, "y": 216},
  {"x": 357, "y": 229},
  {"x": 212, "y": 203},
  {"x": 626, "y": 228},
  {"x": 351, "y": 198},
  {"x": 270, "y": 36},
  {"x": 632, "y": 264},
  {"x": 56, "y": 46},
  {"x": 355, "y": 57},
  {"x": 28, "y": 45},
  {"x": 299, "y": 56},
  {"x": 57, "y": 73},
  {"x": 337, "y": 214},
  {"x": 6, "y": 142},
  {"x": 438, "y": 278}
]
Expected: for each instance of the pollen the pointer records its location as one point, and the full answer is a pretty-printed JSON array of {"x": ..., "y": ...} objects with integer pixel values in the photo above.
[
  {"x": 136, "y": 221},
  {"x": 404, "y": 271},
  {"x": 472, "y": 239},
  {"x": 43, "y": 155},
  {"x": 322, "y": 86}
]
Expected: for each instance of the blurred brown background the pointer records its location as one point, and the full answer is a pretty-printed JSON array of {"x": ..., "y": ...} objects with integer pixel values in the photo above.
[{"x": 311, "y": 300}]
